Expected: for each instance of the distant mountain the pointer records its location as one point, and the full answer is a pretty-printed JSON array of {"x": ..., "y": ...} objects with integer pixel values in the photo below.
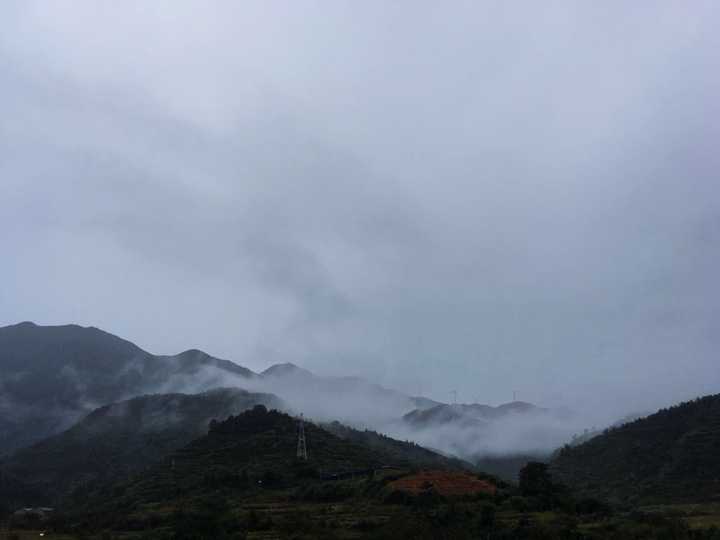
[
  {"x": 286, "y": 370},
  {"x": 352, "y": 400},
  {"x": 117, "y": 440},
  {"x": 497, "y": 440},
  {"x": 193, "y": 360},
  {"x": 669, "y": 456},
  {"x": 50, "y": 376},
  {"x": 468, "y": 415}
]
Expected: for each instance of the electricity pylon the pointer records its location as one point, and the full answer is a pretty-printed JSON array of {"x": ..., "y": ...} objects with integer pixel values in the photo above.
[{"x": 301, "y": 446}]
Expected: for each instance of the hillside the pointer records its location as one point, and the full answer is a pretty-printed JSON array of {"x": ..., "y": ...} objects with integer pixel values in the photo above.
[
  {"x": 257, "y": 449},
  {"x": 670, "y": 456},
  {"x": 116, "y": 440},
  {"x": 51, "y": 376},
  {"x": 242, "y": 480},
  {"x": 395, "y": 450},
  {"x": 506, "y": 467}
]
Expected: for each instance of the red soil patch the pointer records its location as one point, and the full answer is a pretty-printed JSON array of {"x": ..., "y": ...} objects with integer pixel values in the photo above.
[{"x": 446, "y": 483}]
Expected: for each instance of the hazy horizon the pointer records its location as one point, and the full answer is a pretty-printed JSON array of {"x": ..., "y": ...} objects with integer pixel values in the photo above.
[{"x": 478, "y": 197}]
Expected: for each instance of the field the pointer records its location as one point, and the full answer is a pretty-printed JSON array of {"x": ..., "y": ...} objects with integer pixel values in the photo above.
[
  {"x": 446, "y": 483},
  {"x": 354, "y": 518},
  {"x": 697, "y": 516}
]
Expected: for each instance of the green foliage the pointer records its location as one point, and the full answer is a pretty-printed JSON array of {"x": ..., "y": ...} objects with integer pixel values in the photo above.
[
  {"x": 670, "y": 456},
  {"x": 327, "y": 492},
  {"x": 535, "y": 480},
  {"x": 114, "y": 442},
  {"x": 519, "y": 504},
  {"x": 242, "y": 478},
  {"x": 488, "y": 513},
  {"x": 208, "y": 519}
]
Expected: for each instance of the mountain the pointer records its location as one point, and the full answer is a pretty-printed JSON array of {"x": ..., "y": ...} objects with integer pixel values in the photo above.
[
  {"x": 193, "y": 360},
  {"x": 669, "y": 456},
  {"x": 466, "y": 415},
  {"x": 351, "y": 400},
  {"x": 257, "y": 450},
  {"x": 50, "y": 376},
  {"x": 285, "y": 370},
  {"x": 242, "y": 480},
  {"x": 115, "y": 441},
  {"x": 587, "y": 434},
  {"x": 498, "y": 440}
]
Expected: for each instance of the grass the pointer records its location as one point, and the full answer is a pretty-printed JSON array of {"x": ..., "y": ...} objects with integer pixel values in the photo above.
[
  {"x": 36, "y": 535},
  {"x": 697, "y": 516}
]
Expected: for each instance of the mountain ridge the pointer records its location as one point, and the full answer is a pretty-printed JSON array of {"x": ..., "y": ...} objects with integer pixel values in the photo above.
[
  {"x": 671, "y": 455},
  {"x": 116, "y": 440},
  {"x": 50, "y": 376}
]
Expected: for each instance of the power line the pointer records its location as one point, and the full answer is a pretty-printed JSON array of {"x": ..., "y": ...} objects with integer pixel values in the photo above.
[{"x": 301, "y": 445}]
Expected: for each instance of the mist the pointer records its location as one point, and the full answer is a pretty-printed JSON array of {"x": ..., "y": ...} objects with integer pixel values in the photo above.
[
  {"x": 482, "y": 197},
  {"x": 358, "y": 403}
]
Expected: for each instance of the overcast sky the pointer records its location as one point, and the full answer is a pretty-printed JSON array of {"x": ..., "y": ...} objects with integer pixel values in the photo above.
[{"x": 481, "y": 196}]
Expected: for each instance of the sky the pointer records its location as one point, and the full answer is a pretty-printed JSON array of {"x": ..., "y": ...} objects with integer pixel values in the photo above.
[{"x": 487, "y": 197}]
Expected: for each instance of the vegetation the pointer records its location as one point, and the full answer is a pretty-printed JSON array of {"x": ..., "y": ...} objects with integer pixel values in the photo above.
[
  {"x": 401, "y": 452},
  {"x": 115, "y": 441},
  {"x": 254, "y": 451},
  {"x": 668, "y": 457},
  {"x": 169, "y": 467},
  {"x": 366, "y": 507},
  {"x": 241, "y": 480}
]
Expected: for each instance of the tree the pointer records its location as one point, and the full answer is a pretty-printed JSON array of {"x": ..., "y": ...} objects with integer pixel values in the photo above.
[{"x": 535, "y": 480}]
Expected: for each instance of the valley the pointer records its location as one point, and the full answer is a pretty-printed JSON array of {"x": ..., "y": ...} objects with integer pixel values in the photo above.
[{"x": 223, "y": 461}]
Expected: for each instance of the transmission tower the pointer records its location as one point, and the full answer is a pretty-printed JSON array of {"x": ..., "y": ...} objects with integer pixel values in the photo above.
[{"x": 301, "y": 446}]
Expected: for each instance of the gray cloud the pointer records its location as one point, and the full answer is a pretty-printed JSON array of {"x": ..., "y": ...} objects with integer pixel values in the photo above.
[{"x": 478, "y": 196}]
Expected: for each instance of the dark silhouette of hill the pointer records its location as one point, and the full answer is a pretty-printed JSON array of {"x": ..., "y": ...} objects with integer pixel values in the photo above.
[
  {"x": 670, "y": 456},
  {"x": 587, "y": 434},
  {"x": 395, "y": 450},
  {"x": 50, "y": 376},
  {"x": 257, "y": 450},
  {"x": 287, "y": 369},
  {"x": 115, "y": 441}
]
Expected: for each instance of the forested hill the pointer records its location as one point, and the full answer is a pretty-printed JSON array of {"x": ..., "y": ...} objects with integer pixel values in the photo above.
[
  {"x": 115, "y": 441},
  {"x": 255, "y": 448},
  {"x": 670, "y": 456},
  {"x": 395, "y": 450}
]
